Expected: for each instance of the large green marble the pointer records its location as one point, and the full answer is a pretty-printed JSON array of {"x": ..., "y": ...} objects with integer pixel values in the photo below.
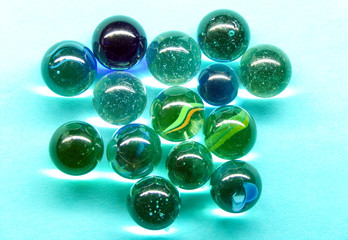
[
  {"x": 173, "y": 58},
  {"x": 230, "y": 132},
  {"x": 68, "y": 68},
  {"x": 76, "y": 148},
  {"x": 223, "y": 35},
  {"x": 154, "y": 203},
  {"x": 265, "y": 70},
  {"x": 177, "y": 114},
  {"x": 235, "y": 186},
  {"x": 189, "y": 165},
  {"x": 134, "y": 151}
]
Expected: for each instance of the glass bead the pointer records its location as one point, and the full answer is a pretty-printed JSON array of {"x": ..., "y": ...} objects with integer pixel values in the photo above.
[
  {"x": 230, "y": 132},
  {"x": 134, "y": 151},
  {"x": 154, "y": 203},
  {"x": 68, "y": 68},
  {"x": 235, "y": 186},
  {"x": 76, "y": 148},
  {"x": 119, "y": 98}
]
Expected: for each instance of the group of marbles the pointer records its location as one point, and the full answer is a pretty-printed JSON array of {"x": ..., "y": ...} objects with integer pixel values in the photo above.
[{"x": 177, "y": 113}]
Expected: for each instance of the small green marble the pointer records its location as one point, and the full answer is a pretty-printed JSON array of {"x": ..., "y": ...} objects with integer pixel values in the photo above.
[
  {"x": 177, "y": 114},
  {"x": 119, "y": 98},
  {"x": 189, "y": 165},
  {"x": 265, "y": 70},
  {"x": 134, "y": 151},
  {"x": 223, "y": 35},
  {"x": 68, "y": 68},
  {"x": 173, "y": 58},
  {"x": 154, "y": 203},
  {"x": 230, "y": 132},
  {"x": 76, "y": 148},
  {"x": 235, "y": 186}
]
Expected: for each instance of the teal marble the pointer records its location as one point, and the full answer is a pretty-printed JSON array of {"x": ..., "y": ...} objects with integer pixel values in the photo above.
[
  {"x": 235, "y": 186},
  {"x": 265, "y": 70},
  {"x": 68, "y": 68},
  {"x": 154, "y": 202},
  {"x": 177, "y": 114},
  {"x": 76, "y": 148},
  {"x": 223, "y": 35},
  {"x": 173, "y": 58},
  {"x": 119, "y": 98},
  {"x": 134, "y": 151},
  {"x": 189, "y": 165}
]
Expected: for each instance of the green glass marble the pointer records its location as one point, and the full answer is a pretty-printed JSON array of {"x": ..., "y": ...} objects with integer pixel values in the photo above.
[
  {"x": 119, "y": 98},
  {"x": 68, "y": 68},
  {"x": 154, "y": 203},
  {"x": 223, "y": 35},
  {"x": 76, "y": 148},
  {"x": 177, "y": 114},
  {"x": 235, "y": 186},
  {"x": 134, "y": 151},
  {"x": 189, "y": 165},
  {"x": 173, "y": 58},
  {"x": 265, "y": 70},
  {"x": 230, "y": 132}
]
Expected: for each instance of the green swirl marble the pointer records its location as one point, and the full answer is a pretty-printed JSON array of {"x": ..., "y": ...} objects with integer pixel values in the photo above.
[{"x": 230, "y": 132}]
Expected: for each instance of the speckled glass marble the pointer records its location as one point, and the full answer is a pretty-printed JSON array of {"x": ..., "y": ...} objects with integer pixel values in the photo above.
[
  {"x": 68, "y": 68},
  {"x": 223, "y": 35},
  {"x": 235, "y": 186},
  {"x": 154, "y": 203},
  {"x": 119, "y": 42},
  {"x": 189, "y": 165},
  {"x": 119, "y": 98},
  {"x": 134, "y": 151},
  {"x": 230, "y": 132},
  {"x": 173, "y": 58},
  {"x": 218, "y": 84},
  {"x": 76, "y": 148},
  {"x": 266, "y": 70},
  {"x": 177, "y": 114}
]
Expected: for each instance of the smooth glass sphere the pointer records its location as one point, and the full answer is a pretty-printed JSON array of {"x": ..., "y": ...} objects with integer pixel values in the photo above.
[
  {"x": 230, "y": 132},
  {"x": 119, "y": 42},
  {"x": 177, "y": 114},
  {"x": 76, "y": 148},
  {"x": 266, "y": 70},
  {"x": 134, "y": 151},
  {"x": 189, "y": 165},
  {"x": 218, "y": 84},
  {"x": 68, "y": 68},
  {"x": 173, "y": 58},
  {"x": 119, "y": 98},
  {"x": 223, "y": 35},
  {"x": 154, "y": 203},
  {"x": 235, "y": 186}
]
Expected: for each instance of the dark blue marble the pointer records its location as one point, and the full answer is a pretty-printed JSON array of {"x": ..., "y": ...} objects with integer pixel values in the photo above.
[{"x": 218, "y": 84}]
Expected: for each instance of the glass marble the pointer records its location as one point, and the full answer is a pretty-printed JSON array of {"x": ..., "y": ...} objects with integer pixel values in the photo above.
[
  {"x": 230, "y": 132},
  {"x": 134, "y": 151},
  {"x": 189, "y": 165},
  {"x": 218, "y": 84},
  {"x": 119, "y": 98},
  {"x": 173, "y": 58},
  {"x": 235, "y": 186},
  {"x": 119, "y": 42},
  {"x": 266, "y": 70},
  {"x": 68, "y": 68},
  {"x": 223, "y": 35},
  {"x": 154, "y": 203},
  {"x": 177, "y": 114},
  {"x": 76, "y": 148}
]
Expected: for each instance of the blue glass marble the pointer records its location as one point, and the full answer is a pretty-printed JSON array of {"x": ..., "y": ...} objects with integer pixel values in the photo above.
[{"x": 218, "y": 84}]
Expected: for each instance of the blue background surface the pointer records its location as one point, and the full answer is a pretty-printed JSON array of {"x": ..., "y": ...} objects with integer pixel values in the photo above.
[{"x": 301, "y": 151}]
